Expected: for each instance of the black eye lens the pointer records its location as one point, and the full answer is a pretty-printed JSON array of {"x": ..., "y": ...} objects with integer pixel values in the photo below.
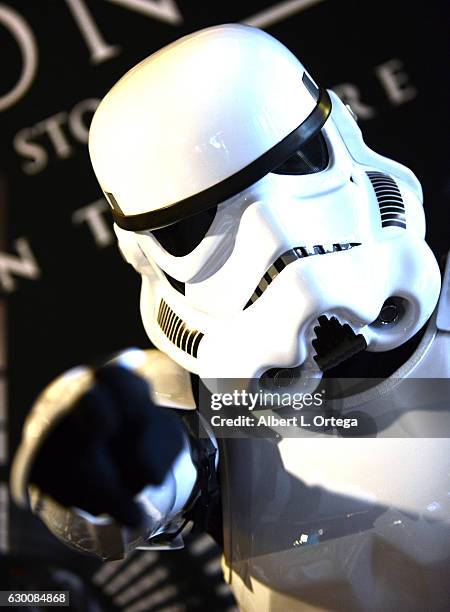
[
  {"x": 310, "y": 158},
  {"x": 181, "y": 238}
]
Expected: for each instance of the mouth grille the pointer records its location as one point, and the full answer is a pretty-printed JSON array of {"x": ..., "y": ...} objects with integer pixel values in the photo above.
[
  {"x": 176, "y": 330},
  {"x": 289, "y": 257},
  {"x": 390, "y": 201}
]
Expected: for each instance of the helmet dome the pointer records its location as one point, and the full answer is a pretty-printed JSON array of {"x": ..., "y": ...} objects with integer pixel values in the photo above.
[{"x": 199, "y": 121}]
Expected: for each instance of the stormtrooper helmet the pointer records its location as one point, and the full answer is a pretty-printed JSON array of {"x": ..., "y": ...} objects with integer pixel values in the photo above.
[{"x": 244, "y": 195}]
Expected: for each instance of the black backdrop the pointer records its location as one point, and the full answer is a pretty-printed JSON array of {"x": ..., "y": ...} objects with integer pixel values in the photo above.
[{"x": 66, "y": 294}]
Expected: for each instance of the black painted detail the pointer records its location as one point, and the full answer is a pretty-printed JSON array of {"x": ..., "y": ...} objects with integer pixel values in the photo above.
[
  {"x": 390, "y": 201},
  {"x": 176, "y": 284},
  {"x": 234, "y": 184},
  {"x": 289, "y": 257},
  {"x": 181, "y": 238},
  {"x": 394, "y": 208},
  {"x": 335, "y": 343},
  {"x": 113, "y": 202},
  {"x": 311, "y": 157},
  {"x": 176, "y": 330},
  {"x": 394, "y": 224},
  {"x": 310, "y": 86},
  {"x": 389, "y": 312}
]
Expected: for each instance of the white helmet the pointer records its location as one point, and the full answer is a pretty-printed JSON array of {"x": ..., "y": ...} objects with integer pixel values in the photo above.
[{"x": 245, "y": 196}]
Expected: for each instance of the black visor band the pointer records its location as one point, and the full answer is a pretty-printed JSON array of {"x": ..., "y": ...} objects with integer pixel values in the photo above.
[{"x": 234, "y": 184}]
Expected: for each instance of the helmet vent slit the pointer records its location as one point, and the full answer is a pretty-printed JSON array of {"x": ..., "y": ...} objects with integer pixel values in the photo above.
[
  {"x": 176, "y": 330},
  {"x": 294, "y": 255},
  {"x": 390, "y": 201}
]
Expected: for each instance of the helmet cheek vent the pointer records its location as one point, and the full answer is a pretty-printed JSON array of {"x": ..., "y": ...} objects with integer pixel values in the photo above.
[
  {"x": 176, "y": 330},
  {"x": 390, "y": 201}
]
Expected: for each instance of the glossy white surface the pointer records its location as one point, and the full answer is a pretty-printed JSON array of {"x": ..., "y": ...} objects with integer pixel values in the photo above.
[
  {"x": 326, "y": 523},
  {"x": 252, "y": 229},
  {"x": 194, "y": 113},
  {"x": 310, "y": 523}
]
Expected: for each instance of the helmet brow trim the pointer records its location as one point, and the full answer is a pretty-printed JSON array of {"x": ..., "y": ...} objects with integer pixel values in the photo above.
[
  {"x": 253, "y": 172},
  {"x": 112, "y": 202},
  {"x": 311, "y": 86}
]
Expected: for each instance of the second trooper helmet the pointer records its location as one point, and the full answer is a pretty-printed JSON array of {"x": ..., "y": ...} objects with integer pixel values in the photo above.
[{"x": 244, "y": 195}]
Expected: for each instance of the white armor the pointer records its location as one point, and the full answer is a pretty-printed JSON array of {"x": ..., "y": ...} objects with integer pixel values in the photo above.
[
  {"x": 309, "y": 222},
  {"x": 163, "y": 506},
  {"x": 330, "y": 523}
]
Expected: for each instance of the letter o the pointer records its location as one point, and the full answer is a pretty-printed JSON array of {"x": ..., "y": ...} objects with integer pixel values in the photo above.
[{"x": 24, "y": 36}]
